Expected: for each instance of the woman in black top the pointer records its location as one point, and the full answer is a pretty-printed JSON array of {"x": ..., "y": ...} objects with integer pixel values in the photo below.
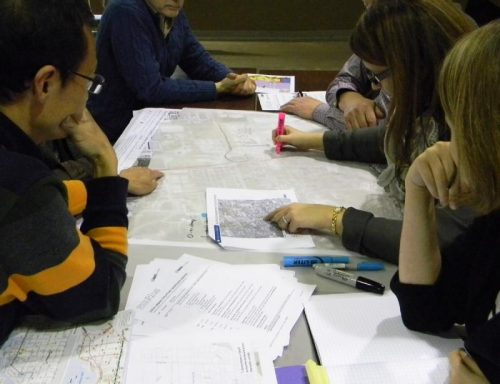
[{"x": 460, "y": 284}]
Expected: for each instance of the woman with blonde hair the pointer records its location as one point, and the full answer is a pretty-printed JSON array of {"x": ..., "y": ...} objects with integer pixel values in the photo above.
[
  {"x": 402, "y": 43},
  {"x": 460, "y": 283}
]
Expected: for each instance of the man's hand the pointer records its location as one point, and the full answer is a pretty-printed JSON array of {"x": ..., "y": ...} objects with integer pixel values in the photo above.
[
  {"x": 141, "y": 180},
  {"x": 359, "y": 112},
  {"x": 235, "y": 84},
  {"x": 92, "y": 142},
  {"x": 301, "y": 106},
  {"x": 300, "y": 140}
]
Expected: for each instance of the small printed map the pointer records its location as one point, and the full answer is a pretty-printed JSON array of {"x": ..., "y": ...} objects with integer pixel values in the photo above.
[
  {"x": 245, "y": 218},
  {"x": 38, "y": 353}
]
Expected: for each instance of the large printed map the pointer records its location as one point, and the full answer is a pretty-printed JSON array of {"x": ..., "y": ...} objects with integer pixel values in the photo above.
[
  {"x": 41, "y": 353},
  {"x": 200, "y": 148}
]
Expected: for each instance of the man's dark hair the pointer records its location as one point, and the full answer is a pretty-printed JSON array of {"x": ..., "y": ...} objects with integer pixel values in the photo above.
[{"x": 34, "y": 33}]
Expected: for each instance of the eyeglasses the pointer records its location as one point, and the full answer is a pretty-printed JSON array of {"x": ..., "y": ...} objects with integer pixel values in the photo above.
[
  {"x": 95, "y": 84},
  {"x": 376, "y": 79}
]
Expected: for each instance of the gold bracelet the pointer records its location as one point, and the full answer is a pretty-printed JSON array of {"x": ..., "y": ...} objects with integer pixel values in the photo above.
[{"x": 335, "y": 214}]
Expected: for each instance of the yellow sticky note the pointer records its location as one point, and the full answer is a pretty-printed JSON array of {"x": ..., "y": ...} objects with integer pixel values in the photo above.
[{"x": 316, "y": 374}]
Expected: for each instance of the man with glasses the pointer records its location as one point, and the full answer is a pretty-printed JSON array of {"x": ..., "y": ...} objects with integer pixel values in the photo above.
[
  {"x": 47, "y": 265},
  {"x": 68, "y": 163}
]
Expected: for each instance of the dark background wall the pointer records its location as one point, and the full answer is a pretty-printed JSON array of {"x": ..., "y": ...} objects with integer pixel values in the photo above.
[
  {"x": 273, "y": 15},
  {"x": 309, "y": 17}
]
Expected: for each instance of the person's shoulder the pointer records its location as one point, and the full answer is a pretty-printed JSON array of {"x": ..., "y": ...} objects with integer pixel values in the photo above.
[
  {"x": 124, "y": 17},
  {"x": 124, "y": 7}
]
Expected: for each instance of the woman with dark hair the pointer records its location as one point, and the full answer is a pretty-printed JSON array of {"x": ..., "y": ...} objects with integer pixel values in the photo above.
[{"x": 402, "y": 43}]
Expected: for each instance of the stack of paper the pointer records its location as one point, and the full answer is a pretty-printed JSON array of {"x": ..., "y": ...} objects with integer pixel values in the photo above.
[
  {"x": 361, "y": 338},
  {"x": 216, "y": 302},
  {"x": 236, "y": 219},
  {"x": 134, "y": 140}
]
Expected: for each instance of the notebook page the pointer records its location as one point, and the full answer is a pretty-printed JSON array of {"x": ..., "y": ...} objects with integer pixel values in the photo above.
[
  {"x": 427, "y": 371},
  {"x": 360, "y": 328}
]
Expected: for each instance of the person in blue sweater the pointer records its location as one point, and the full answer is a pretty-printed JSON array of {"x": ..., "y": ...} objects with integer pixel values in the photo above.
[{"x": 139, "y": 45}]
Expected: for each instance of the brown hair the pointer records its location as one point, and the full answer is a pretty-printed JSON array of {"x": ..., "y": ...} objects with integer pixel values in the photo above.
[
  {"x": 470, "y": 95},
  {"x": 411, "y": 37}
]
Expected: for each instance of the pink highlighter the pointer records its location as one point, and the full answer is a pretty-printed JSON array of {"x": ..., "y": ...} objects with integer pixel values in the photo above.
[{"x": 280, "y": 131}]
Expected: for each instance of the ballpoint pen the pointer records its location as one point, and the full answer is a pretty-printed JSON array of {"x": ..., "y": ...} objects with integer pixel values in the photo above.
[
  {"x": 347, "y": 278},
  {"x": 280, "y": 131},
  {"x": 307, "y": 261}
]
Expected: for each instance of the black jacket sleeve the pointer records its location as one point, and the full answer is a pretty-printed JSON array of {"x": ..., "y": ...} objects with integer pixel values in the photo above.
[
  {"x": 379, "y": 237},
  {"x": 364, "y": 145},
  {"x": 465, "y": 293}
]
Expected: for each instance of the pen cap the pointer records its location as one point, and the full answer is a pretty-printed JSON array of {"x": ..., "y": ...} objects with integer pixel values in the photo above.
[
  {"x": 369, "y": 285},
  {"x": 370, "y": 266},
  {"x": 281, "y": 119}
]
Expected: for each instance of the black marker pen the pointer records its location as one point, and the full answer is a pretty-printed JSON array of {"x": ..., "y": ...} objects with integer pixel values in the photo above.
[{"x": 347, "y": 278}]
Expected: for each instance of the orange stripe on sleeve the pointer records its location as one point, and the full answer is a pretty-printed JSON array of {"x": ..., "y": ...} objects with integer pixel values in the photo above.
[
  {"x": 112, "y": 238},
  {"x": 77, "y": 196},
  {"x": 79, "y": 265}
]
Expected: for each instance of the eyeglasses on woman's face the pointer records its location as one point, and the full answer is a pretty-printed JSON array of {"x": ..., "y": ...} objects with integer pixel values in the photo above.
[{"x": 376, "y": 78}]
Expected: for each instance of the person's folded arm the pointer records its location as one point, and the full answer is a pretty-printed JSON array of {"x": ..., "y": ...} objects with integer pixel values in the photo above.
[
  {"x": 434, "y": 307},
  {"x": 352, "y": 77},
  {"x": 330, "y": 117},
  {"x": 56, "y": 269}
]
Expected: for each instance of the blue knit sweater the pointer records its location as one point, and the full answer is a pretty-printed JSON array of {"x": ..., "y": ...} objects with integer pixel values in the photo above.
[{"x": 137, "y": 62}]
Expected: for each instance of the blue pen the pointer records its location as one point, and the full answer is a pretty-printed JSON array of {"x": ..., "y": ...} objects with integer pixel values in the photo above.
[
  {"x": 307, "y": 261},
  {"x": 362, "y": 266}
]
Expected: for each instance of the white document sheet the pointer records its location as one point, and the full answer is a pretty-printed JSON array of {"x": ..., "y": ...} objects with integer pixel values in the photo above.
[
  {"x": 421, "y": 371},
  {"x": 179, "y": 359},
  {"x": 274, "y": 101},
  {"x": 273, "y": 83},
  {"x": 193, "y": 295},
  {"x": 236, "y": 219},
  {"x": 362, "y": 334},
  {"x": 136, "y": 136}
]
